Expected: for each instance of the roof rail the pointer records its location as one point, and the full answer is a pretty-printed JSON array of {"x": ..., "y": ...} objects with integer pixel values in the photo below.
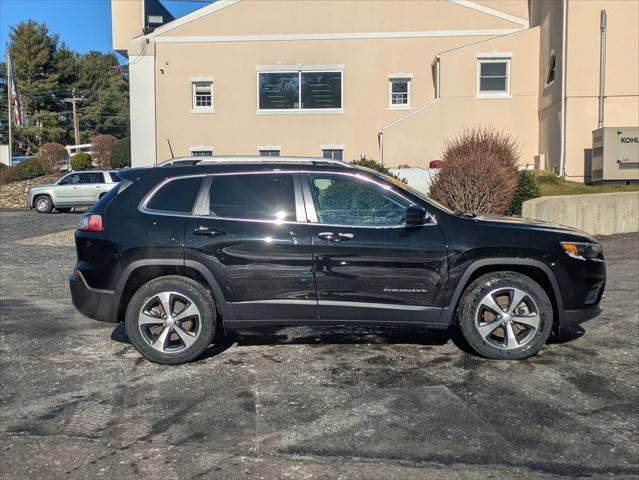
[{"x": 186, "y": 161}]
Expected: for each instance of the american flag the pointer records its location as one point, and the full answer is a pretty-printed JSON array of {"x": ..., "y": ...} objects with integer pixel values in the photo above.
[{"x": 15, "y": 97}]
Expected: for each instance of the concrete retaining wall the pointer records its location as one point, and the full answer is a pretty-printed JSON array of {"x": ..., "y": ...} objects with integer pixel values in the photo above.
[{"x": 597, "y": 214}]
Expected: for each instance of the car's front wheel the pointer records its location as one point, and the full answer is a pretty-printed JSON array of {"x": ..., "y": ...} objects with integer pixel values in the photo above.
[
  {"x": 43, "y": 204},
  {"x": 171, "y": 320},
  {"x": 505, "y": 316}
]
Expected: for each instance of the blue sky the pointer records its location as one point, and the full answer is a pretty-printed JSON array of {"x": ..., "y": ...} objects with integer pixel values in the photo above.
[{"x": 83, "y": 25}]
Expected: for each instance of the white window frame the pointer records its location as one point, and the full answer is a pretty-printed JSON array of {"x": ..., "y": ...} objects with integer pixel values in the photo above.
[
  {"x": 202, "y": 80},
  {"x": 400, "y": 77},
  {"x": 494, "y": 57},
  {"x": 332, "y": 146},
  {"x": 299, "y": 69},
  {"x": 270, "y": 148},
  {"x": 550, "y": 57},
  {"x": 202, "y": 148}
]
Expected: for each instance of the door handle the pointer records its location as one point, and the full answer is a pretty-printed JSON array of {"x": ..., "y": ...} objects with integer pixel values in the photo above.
[
  {"x": 333, "y": 237},
  {"x": 208, "y": 231}
]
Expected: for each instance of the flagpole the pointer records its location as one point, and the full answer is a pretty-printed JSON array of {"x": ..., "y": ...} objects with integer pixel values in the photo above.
[{"x": 9, "y": 105}]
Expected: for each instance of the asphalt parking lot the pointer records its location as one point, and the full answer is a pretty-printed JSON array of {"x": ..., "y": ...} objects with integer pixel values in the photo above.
[{"x": 79, "y": 402}]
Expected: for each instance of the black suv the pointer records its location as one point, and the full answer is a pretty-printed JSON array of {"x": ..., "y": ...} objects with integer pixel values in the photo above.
[{"x": 180, "y": 251}]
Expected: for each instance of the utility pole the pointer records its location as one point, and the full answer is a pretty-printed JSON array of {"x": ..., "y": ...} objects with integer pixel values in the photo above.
[{"x": 73, "y": 101}]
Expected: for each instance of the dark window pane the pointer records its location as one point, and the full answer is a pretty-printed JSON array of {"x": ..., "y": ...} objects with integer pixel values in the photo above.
[
  {"x": 341, "y": 201},
  {"x": 493, "y": 69},
  {"x": 201, "y": 153},
  {"x": 254, "y": 197},
  {"x": 177, "y": 195},
  {"x": 321, "y": 90},
  {"x": 492, "y": 84},
  {"x": 269, "y": 153},
  {"x": 114, "y": 176},
  {"x": 332, "y": 154},
  {"x": 551, "y": 70},
  {"x": 70, "y": 179},
  {"x": 93, "y": 177},
  {"x": 400, "y": 87},
  {"x": 279, "y": 90}
]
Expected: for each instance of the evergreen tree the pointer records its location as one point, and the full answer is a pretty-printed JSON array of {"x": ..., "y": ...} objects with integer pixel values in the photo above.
[
  {"x": 33, "y": 54},
  {"x": 105, "y": 89},
  {"x": 47, "y": 72}
]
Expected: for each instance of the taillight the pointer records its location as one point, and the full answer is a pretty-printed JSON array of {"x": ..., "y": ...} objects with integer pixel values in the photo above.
[{"x": 91, "y": 223}]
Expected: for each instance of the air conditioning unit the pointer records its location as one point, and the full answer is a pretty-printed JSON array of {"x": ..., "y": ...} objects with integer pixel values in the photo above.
[{"x": 615, "y": 155}]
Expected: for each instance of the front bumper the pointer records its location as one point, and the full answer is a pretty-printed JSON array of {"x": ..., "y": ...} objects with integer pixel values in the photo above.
[
  {"x": 92, "y": 302},
  {"x": 573, "y": 318}
]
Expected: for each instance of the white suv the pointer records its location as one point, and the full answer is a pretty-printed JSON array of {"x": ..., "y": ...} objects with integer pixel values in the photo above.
[{"x": 75, "y": 189}]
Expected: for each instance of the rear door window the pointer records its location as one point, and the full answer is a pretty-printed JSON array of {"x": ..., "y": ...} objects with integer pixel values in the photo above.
[
  {"x": 91, "y": 177},
  {"x": 265, "y": 196},
  {"x": 176, "y": 196}
]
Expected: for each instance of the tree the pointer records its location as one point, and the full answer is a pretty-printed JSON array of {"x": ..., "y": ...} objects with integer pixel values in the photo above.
[
  {"x": 479, "y": 173},
  {"x": 101, "y": 148},
  {"x": 51, "y": 157},
  {"x": 105, "y": 89},
  {"x": 121, "y": 153},
  {"x": 34, "y": 55},
  {"x": 47, "y": 72}
]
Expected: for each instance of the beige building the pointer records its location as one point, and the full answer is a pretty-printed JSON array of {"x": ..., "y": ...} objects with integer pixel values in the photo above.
[{"x": 387, "y": 79}]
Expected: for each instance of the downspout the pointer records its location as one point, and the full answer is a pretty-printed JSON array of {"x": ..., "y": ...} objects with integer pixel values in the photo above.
[
  {"x": 562, "y": 158},
  {"x": 380, "y": 133}
]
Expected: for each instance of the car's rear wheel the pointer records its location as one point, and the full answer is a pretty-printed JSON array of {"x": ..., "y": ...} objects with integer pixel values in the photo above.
[
  {"x": 505, "y": 316},
  {"x": 171, "y": 320},
  {"x": 43, "y": 204}
]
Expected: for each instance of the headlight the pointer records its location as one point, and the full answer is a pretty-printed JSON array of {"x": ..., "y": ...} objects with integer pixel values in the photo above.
[{"x": 582, "y": 250}]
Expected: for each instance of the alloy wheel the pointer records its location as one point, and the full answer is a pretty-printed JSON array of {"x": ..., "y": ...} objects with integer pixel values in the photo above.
[
  {"x": 507, "y": 318},
  {"x": 169, "y": 322},
  {"x": 42, "y": 204}
]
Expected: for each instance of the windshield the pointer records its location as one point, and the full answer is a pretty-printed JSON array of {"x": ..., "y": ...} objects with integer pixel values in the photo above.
[{"x": 408, "y": 188}]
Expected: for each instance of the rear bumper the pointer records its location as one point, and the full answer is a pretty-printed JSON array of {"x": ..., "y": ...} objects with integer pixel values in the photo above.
[
  {"x": 92, "y": 302},
  {"x": 572, "y": 318}
]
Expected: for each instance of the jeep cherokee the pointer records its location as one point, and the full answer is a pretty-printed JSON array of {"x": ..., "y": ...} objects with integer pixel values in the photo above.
[{"x": 181, "y": 251}]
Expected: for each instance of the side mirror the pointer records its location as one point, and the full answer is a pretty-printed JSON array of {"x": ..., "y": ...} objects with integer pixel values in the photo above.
[{"x": 415, "y": 215}]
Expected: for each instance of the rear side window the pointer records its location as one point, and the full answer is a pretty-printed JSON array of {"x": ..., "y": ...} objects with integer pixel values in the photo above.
[
  {"x": 114, "y": 176},
  {"x": 176, "y": 196},
  {"x": 91, "y": 177},
  {"x": 253, "y": 197}
]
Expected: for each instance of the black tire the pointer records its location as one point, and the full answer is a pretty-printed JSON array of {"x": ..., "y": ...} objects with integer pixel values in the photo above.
[
  {"x": 172, "y": 350},
  {"x": 43, "y": 204},
  {"x": 63, "y": 209},
  {"x": 500, "y": 335}
]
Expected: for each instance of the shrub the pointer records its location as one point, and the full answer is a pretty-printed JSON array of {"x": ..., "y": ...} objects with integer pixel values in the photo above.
[
  {"x": 6, "y": 174},
  {"x": 479, "y": 172},
  {"x": 377, "y": 166},
  {"x": 27, "y": 169},
  {"x": 81, "y": 161},
  {"x": 526, "y": 189},
  {"x": 51, "y": 157},
  {"x": 101, "y": 149},
  {"x": 121, "y": 153}
]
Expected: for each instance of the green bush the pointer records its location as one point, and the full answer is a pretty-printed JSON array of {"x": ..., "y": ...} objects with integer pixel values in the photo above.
[
  {"x": 121, "y": 153},
  {"x": 27, "y": 169},
  {"x": 81, "y": 161},
  {"x": 526, "y": 189}
]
